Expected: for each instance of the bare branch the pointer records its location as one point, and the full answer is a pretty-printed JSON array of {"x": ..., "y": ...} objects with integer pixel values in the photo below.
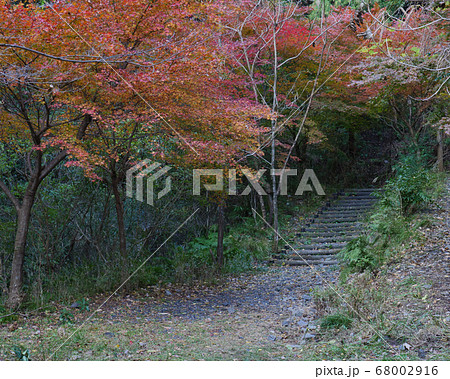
[
  {"x": 436, "y": 92},
  {"x": 10, "y": 195},
  {"x": 63, "y": 59}
]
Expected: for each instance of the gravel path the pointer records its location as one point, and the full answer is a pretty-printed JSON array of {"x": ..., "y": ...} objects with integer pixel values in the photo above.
[{"x": 278, "y": 291}]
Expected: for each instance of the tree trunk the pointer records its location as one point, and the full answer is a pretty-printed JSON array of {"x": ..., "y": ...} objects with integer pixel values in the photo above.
[
  {"x": 124, "y": 270},
  {"x": 38, "y": 174},
  {"x": 270, "y": 202},
  {"x": 274, "y": 193},
  {"x": 23, "y": 223},
  {"x": 253, "y": 205},
  {"x": 220, "y": 234},
  {"x": 440, "y": 151},
  {"x": 3, "y": 285},
  {"x": 263, "y": 208},
  {"x": 274, "y": 126}
]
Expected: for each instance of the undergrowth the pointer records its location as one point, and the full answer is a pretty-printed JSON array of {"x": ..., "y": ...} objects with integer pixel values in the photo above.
[
  {"x": 372, "y": 308},
  {"x": 393, "y": 220},
  {"x": 244, "y": 245}
]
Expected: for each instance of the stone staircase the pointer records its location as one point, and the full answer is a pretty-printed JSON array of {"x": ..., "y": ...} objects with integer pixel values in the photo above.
[{"x": 339, "y": 221}]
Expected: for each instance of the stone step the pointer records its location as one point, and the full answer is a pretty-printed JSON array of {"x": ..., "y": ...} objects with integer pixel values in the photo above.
[
  {"x": 338, "y": 215},
  {"x": 336, "y": 235},
  {"x": 345, "y": 211},
  {"x": 357, "y": 192},
  {"x": 336, "y": 230},
  {"x": 328, "y": 231},
  {"x": 311, "y": 257},
  {"x": 327, "y": 239},
  {"x": 318, "y": 228},
  {"x": 356, "y": 198},
  {"x": 360, "y": 190},
  {"x": 358, "y": 203},
  {"x": 352, "y": 200},
  {"x": 328, "y": 223},
  {"x": 333, "y": 212},
  {"x": 322, "y": 234},
  {"x": 346, "y": 208},
  {"x": 303, "y": 263},
  {"x": 312, "y": 252},
  {"x": 335, "y": 221},
  {"x": 320, "y": 246},
  {"x": 328, "y": 252},
  {"x": 371, "y": 195},
  {"x": 341, "y": 212},
  {"x": 335, "y": 208}
]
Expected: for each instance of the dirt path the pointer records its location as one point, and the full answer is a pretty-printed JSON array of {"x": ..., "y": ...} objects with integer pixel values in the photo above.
[{"x": 283, "y": 294}]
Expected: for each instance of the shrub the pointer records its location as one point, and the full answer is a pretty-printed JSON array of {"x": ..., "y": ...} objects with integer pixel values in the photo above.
[
  {"x": 243, "y": 246},
  {"x": 195, "y": 260},
  {"x": 411, "y": 187},
  {"x": 360, "y": 255}
]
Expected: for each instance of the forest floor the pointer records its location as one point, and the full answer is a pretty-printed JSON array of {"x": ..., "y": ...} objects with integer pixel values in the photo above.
[{"x": 273, "y": 313}]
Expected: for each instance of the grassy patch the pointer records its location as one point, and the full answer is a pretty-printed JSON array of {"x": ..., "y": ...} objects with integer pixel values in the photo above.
[
  {"x": 336, "y": 321},
  {"x": 375, "y": 317},
  {"x": 222, "y": 338}
]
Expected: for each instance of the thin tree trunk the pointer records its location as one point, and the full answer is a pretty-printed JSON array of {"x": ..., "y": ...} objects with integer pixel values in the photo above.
[
  {"x": 3, "y": 285},
  {"x": 270, "y": 201},
  {"x": 253, "y": 204},
  {"x": 124, "y": 270},
  {"x": 263, "y": 207},
  {"x": 274, "y": 193},
  {"x": 23, "y": 224},
  {"x": 274, "y": 125},
  {"x": 220, "y": 234},
  {"x": 440, "y": 151}
]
